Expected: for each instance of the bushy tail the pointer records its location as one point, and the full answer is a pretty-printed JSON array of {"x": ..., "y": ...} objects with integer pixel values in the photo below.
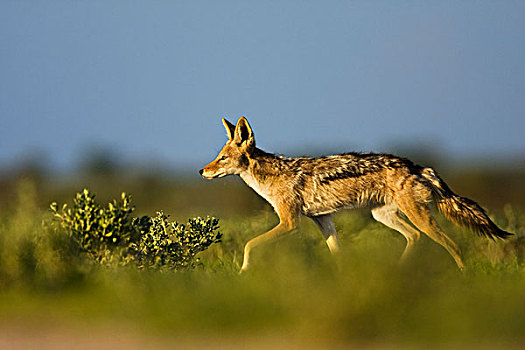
[{"x": 461, "y": 210}]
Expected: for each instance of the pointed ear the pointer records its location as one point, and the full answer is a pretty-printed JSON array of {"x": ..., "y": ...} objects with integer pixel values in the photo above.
[
  {"x": 244, "y": 134},
  {"x": 230, "y": 128}
]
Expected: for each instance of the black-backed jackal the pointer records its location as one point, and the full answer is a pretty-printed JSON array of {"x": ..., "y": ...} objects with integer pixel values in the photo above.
[{"x": 397, "y": 190}]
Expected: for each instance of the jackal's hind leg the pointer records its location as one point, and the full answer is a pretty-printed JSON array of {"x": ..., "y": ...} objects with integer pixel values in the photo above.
[
  {"x": 390, "y": 216},
  {"x": 327, "y": 227},
  {"x": 419, "y": 214}
]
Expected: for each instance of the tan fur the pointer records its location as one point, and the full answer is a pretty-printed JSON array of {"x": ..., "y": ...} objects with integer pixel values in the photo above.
[{"x": 397, "y": 190}]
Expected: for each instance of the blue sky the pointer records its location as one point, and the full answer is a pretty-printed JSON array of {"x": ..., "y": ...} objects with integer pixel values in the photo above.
[{"x": 150, "y": 80}]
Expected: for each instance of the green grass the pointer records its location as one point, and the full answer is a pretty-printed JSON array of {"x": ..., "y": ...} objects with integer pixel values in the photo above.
[{"x": 296, "y": 290}]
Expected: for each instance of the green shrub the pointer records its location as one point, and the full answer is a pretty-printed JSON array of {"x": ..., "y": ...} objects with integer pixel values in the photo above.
[
  {"x": 172, "y": 244},
  {"x": 112, "y": 235}
]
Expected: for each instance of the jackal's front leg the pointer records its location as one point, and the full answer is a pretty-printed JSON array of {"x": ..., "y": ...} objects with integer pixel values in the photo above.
[{"x": 284, "y": 227}]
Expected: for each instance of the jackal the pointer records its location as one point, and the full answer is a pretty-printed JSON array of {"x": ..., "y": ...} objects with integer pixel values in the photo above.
[{"x": 397, "y": 191}]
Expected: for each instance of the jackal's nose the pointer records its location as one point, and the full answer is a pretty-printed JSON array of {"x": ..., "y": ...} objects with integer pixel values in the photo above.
[{"x": 201, "y": 171}]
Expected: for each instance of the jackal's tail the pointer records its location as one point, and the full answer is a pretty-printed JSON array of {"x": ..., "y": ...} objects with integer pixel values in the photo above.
[{"x": 461, "y": 210}]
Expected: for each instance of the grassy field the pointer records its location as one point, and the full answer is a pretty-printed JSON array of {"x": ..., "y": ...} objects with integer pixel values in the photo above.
[{"x": 297, "y": 295}]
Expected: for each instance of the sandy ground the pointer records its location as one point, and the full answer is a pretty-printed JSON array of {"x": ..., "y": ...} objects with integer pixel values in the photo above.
[
  {"x": 41, "y": 337},
  {"x": 51, "y": 337}
]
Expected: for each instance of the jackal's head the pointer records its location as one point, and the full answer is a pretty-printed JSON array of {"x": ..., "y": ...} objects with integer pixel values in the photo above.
[{"x": 233, "y": 158}]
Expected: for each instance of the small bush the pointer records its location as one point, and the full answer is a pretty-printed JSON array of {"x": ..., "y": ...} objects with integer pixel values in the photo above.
[
  {"x": 172, "y": 244},
  {"x": 111, "y": 235}
]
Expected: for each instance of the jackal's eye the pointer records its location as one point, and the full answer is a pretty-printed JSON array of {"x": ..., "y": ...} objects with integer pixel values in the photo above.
[{"x": 224, "y": 157}]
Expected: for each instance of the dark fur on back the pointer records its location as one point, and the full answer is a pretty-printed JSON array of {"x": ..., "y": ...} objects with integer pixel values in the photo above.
[
  {"x": 340, "y": 166},
  {"x": 350, "y": 165}
]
